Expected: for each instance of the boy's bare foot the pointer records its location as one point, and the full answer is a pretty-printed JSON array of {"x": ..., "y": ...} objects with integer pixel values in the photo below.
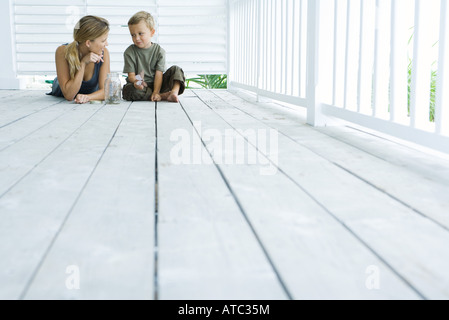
[
  {"x": 173, "y": 97},
  {"x": 164, "y": 96}
]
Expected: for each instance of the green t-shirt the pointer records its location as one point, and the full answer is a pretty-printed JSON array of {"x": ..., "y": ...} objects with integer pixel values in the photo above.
[{"x": 147, "y": 60}]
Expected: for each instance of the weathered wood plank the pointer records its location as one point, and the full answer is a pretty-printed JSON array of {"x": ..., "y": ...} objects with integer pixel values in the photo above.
[
  {"x": 432, "y": 165},
  {"x": 27, "y": 126},
  {"x": 9, "y": 93},
  {"x": 415, "y": 178},
  {"x": 19, "y": 159},
  {"x": 316, "y": 255},
  {"x": 109, "y": 234},
  {"x": 41, "y": 105},
  {"x": 35, "y": 209},
  {"x": 206, "y": 249},
  {"x": 414, "y": 246},
  {"x": 25, "y": 103}
]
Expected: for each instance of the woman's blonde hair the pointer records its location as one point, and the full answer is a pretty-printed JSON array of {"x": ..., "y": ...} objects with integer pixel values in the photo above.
[
  {"x": 142, "y": 16},
  {"x": 88, "y": 28}
]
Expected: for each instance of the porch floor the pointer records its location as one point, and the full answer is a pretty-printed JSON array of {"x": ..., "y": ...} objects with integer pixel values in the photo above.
[{"x": 89, "y": 209}]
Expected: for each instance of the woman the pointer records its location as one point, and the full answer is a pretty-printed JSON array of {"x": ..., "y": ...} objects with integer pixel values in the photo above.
[{"x": 83, "y": 65}]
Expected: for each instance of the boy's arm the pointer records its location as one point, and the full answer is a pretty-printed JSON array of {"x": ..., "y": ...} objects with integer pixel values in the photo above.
[
  {"x": 132, "y": 77},
  {"x": 130, "y": 65},
  {"x": 157, "y": 86},
  {"x": 158, "y": 81},
  {"x": 158, "y": 77}
]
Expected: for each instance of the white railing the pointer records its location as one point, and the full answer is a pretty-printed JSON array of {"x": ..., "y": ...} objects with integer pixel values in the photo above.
[
  {"x": 268, "y": 48},
  {"x": 378, "y": 63}
]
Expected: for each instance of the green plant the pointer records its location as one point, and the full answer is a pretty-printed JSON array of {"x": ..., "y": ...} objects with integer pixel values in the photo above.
[
  {"x": 209, "y": 81},
  {"x": 433, "y": 81},
  {"x": 433, "y": 85}
]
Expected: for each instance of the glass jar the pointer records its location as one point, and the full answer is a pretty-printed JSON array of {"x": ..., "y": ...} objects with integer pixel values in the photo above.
[{"x": 113, "y": 88}]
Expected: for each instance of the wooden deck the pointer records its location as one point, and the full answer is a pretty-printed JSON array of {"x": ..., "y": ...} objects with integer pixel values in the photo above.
[{"x": 89, "y": 209}]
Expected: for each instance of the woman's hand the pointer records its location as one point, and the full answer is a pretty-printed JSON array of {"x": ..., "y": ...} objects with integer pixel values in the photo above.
[
  {"x": 92, "y": 58},
  {"x": 82, "y": 98}
]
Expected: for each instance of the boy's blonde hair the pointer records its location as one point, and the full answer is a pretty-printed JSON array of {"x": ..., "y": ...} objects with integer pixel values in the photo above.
[
  {"x": 88, "y": 28},
  {"x": 142, "y": 16}
]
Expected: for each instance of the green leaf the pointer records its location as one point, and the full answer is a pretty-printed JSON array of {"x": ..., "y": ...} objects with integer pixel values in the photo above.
[{"x": 210, "y": 81}]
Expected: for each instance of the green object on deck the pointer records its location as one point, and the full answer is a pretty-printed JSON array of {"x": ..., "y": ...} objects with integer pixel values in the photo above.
[{"x": 96, "y": 101}]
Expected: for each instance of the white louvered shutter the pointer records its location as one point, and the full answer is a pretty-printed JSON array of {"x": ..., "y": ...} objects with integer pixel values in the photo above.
[{"x": 193, "y": 33}]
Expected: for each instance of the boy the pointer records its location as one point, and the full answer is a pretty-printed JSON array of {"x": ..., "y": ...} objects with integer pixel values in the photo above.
[{"x": 149, "y": 58}]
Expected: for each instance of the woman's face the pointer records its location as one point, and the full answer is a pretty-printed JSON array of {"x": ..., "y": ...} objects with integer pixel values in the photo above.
[{"x": 97, "y": 46}]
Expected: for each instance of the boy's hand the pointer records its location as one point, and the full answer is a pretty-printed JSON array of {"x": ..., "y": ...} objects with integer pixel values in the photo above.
[
  {"x": 138, "y": 87},
  {"x": 156, "y": 97}
]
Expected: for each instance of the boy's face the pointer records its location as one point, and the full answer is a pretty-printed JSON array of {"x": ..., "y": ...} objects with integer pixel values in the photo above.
[{"x": 141, "y": 34}]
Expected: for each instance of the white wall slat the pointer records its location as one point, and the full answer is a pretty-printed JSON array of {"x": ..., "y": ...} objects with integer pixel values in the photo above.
[
  {"x": 185, "y": 57},
  {"x": 127, "y": 3},
  {"x": 194, "y": 34},
  {"x": 123, "y": 12},
  {"x": 34, "y": 10},
  {"x": 51, "y": 2},
  {"x": 46, "y": 68}
]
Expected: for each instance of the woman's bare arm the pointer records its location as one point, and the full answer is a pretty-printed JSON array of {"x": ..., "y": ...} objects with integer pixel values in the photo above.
[
  {"x": 70, "y": 87},
  {"x": 104, "y": 70}
]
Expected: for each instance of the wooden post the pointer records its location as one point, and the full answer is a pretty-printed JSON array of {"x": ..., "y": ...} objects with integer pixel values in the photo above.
[
  {"x": 229, "y": 37},
  {"x": 314, "y": 114}
]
